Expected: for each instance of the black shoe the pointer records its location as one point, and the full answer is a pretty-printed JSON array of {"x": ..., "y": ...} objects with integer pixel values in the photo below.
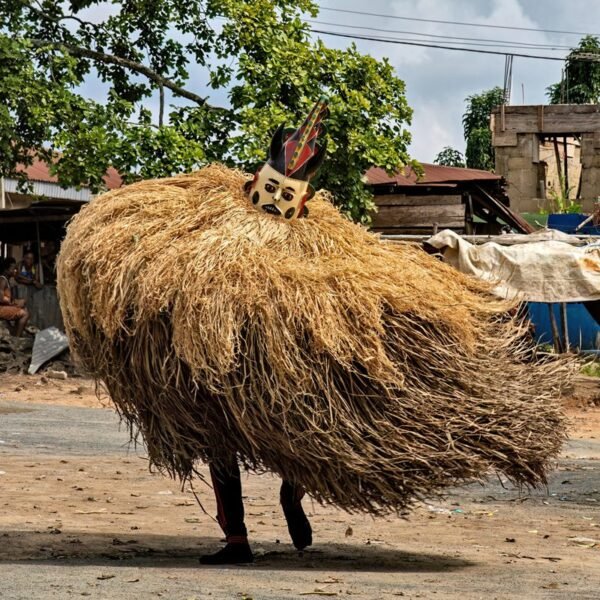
[
  {"x": 298, "y": 526},
  {"x": 232, "y": 554}
]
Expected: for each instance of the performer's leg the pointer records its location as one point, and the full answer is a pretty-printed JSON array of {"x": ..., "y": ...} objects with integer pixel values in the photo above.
[
  {"x": 230, "y": 508},
  {"x": 298, "y": 525},
  {"x": 227, "y": 484}
]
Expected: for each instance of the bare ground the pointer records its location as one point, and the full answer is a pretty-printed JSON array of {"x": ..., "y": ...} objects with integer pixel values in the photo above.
[{"x": 88, "y": 519}]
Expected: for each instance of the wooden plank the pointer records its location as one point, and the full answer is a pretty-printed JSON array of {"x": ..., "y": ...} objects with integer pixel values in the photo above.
[
  {"x": 557, "y": 119},
  {"x": 420, "y": 216},
  {"x": 428, "y": 200},
  {"x": 508, "y": 240},
  {"x": 497, "y": 208},
  {"x": 418, "y": 233},
  {"x": 532, "y": 110}
]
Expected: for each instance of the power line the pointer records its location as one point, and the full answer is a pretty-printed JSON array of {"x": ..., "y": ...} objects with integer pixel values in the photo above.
[
  {"x": 369, "y": 14},
  {"x": 592, "y": 57},
  {"x": 464, "y": 40}
]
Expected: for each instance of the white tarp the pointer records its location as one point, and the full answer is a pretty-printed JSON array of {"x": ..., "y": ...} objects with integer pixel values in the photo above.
[{"x": 541, "y": 269}]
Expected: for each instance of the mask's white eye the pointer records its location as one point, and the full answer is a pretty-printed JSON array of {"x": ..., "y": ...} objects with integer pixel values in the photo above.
[
  {"x": 269, "y": 187},
  {"x": 287, "y": 196}
]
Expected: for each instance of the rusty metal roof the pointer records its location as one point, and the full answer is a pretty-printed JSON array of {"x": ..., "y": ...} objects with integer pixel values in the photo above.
[
  {"x": 432, "y": 174},
  {"x": 39, "y": 171}
]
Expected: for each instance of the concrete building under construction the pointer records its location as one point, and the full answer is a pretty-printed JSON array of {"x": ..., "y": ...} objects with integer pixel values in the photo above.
[{"x": 549, "y": 155}]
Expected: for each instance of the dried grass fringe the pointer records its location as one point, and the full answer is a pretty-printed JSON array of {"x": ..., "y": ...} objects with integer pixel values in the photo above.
[{"x": 370, "y": 373}]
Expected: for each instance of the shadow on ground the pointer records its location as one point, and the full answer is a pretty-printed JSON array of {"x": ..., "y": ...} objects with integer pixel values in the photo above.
[{"x": 179, "y": 551}]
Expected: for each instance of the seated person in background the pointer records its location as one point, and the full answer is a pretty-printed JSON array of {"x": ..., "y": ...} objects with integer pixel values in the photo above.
[
  {"x": 11, "y": 310},
  {"x": 27, "y": 273},
  {"x": 48, "y": 256}
]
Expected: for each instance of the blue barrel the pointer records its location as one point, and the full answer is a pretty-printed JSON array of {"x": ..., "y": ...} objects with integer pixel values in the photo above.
[
  {"x": 569, "y": 222},
  {"x": 584, "y": 332}
]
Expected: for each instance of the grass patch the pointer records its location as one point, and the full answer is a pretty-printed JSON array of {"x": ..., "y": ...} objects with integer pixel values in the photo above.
[{"x": 592, "y": 369}]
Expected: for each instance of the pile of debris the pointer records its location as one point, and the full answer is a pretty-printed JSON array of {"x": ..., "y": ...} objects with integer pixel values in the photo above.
[{"x": 16, "y": 354}]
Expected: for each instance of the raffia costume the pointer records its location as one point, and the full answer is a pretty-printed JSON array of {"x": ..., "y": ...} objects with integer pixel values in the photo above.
[{"x": 368, "y": 374}]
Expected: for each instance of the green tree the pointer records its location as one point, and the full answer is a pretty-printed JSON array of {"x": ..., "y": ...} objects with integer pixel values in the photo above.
[
  {"x": 581, "y": 82},
  {"x": 258, "y": 54},
  {"x": 450, "y": 157},
  {"x": 479, "y": 153}
]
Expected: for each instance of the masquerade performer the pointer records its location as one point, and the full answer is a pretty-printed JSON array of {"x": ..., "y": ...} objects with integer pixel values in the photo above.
[
  {"x": 280, "y": 188},
  {"x": 364, "y": 373}
]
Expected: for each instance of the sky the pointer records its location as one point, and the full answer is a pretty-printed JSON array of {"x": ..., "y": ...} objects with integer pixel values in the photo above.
[{"x": 438, "y": 81}]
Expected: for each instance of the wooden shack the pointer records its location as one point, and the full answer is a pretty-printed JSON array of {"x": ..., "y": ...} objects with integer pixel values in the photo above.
[
  {"x": 35, "y": 220},
  {"x": 468, "y": 201}
]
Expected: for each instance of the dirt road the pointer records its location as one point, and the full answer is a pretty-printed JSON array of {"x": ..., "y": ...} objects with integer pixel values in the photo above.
[{"x": 81, "y": 516}]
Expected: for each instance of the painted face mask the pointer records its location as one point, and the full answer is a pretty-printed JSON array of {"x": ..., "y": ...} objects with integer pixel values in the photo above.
[
  {"x": 278, "y": 195},
  {"x": 281, "y": 187}
]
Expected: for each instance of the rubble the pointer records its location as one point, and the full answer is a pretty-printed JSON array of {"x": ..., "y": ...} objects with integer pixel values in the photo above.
[{"x": 15, "y": 355}]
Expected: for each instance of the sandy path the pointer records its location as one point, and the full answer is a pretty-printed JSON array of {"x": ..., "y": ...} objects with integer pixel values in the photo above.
[{"x": 102, "y": 526}]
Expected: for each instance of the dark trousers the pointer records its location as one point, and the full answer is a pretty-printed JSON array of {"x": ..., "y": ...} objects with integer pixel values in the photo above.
[{"x": 227, "y": 484}]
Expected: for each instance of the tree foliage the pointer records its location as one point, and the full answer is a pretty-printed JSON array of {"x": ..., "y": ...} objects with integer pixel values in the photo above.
[
  {"x": 257, "y": 54},
  {"x": 581, "y": 81},
  {"x": 450, "y": 157},
  {"x": 479, "y": 153}
]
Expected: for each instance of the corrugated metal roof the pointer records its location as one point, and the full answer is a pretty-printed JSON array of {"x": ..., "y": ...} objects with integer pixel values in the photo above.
[
  {"x": 432, "y": 174},
  {"x": 39, "y": 171},
  {"x": 48, "y": 189}
]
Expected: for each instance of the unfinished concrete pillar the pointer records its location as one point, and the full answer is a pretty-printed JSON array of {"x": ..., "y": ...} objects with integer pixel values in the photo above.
[{"x": 518, "y": 164}]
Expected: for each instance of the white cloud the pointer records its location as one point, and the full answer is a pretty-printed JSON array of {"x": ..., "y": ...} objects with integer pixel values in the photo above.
[
  {"x": 438, "y": 81},
  {"x": 431, "y": 132}
]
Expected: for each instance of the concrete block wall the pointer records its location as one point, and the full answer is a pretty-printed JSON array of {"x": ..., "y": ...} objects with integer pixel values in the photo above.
[{"x": 522, "y": 165}]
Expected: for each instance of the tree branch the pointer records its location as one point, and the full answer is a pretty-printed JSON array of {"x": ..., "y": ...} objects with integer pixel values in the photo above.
[
  {"x": 111, "y": 59},
  {"x": 43, "y": 14}
]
